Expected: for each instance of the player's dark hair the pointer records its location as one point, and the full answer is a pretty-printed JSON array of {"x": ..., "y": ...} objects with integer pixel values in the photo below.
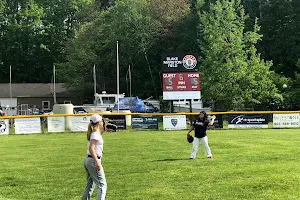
[{"x": 205, "y": 115}]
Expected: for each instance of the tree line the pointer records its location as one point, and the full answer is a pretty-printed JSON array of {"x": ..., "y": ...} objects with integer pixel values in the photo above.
[{"x": 249, "y": 51}]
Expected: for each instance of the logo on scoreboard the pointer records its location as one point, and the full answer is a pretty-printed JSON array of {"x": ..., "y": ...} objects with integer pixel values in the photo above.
[{"x": 189, "y": 62}]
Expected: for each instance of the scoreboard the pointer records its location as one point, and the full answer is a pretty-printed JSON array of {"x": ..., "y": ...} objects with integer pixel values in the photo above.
[{"x": 181, "y": 85}]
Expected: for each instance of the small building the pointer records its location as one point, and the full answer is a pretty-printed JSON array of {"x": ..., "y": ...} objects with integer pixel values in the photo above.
[{"x": 27, "y": 97}]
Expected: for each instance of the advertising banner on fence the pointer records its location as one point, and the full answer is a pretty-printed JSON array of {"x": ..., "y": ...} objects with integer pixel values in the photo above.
[
  {"x": 118, "y": 120},
  {"x": 79, "y": 123},
  {"x": 286, "y": 120},
  {"x": 4, "y": 127},
  {"x": 139, "y": 122},
  {"x": 174, "y": 122},
  {"x": 56, "y": 124},
  {"x": 247, "y": 121},
  {"x": 27, "y": 125}
]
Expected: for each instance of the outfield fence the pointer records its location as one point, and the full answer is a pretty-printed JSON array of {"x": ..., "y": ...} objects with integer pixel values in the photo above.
[{"x": 29, "y": 124}]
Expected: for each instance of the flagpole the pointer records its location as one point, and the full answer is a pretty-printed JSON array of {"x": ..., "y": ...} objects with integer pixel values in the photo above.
[
  {"x": 54, "y": 90},
  {"x": 95, "y": 85},
  {"x": 130, "y": 81},
  {"x": 10, "y": 90},
  {"x": 118, "y": 81}
]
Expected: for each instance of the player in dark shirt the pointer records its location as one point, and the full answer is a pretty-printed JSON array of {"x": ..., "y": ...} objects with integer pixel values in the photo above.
[{"x": 200, "y": 125}]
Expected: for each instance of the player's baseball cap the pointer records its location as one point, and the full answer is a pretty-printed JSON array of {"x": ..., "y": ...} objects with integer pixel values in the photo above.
[{"x": 95, "y": 118}]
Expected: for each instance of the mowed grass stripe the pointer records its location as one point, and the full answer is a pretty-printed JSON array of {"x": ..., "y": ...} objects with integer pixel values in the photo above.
[{"x": 248, "y": 164}]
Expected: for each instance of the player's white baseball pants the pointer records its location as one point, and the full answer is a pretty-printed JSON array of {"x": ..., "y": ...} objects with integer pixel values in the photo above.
[{"x": 204, "y": 142}]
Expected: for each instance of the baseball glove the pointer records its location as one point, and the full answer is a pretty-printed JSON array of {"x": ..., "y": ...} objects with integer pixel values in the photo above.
[
  {"x": 109, "y": 127},
  {"x": 190, "y": 138}
]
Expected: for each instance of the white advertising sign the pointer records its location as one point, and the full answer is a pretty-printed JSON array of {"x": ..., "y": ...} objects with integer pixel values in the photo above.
[
  {"x": 174, "y": 122},
  {"x": 182, "y": 95},
  {"x": 4, "y": 127},
  {"x": 248, "y": 126},
  {"x": 56, "y": 124},
  {"x": 79, "y": 123},
  {"x": 27, "y": 125},
  {"x": 286, "y": 120}
]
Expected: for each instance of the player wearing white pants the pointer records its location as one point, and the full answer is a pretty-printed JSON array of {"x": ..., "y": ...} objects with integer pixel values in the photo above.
[
  {"x": 94, "y": 170},
  {"x": 200, "y": 126},
  {"x": 204, "y": 142}
]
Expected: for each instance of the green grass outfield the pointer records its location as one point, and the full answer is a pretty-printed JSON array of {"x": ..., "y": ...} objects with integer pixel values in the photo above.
[{"x": 248, "y": 164}]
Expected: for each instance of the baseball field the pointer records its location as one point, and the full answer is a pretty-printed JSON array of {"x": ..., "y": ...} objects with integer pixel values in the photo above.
[{"x": 247, "y": 164}]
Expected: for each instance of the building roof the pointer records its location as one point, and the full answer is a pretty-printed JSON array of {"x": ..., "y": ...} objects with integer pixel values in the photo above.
[{"x": 31, "y": 90}]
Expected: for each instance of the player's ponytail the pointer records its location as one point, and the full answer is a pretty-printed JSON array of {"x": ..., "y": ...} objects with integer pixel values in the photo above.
[
  {"x": 89, "y": 131},
  {"x": 92, "y": 128}
]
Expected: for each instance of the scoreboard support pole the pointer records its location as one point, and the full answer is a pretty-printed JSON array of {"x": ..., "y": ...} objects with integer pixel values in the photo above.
[
  {"x": 191, "y": 109},
  {"x": 171, "y": 106}
]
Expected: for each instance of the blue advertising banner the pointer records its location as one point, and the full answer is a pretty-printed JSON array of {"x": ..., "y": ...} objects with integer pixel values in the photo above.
[
  {"x": 248, "y": 121},
  {"x": 140, "y": 122}
]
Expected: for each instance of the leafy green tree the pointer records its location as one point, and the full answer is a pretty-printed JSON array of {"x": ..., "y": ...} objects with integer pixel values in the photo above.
[
  {"x": 20, "y": 31},
  {"x": 140, "y": 27},
  {"x": 281, "y": 36},
  {"x": 280, "y": 29},
  {"x": 178, "y": 22},
  {"x": 232, "y": 71},
  {"x": 1, "y": 7},
  {"x": 104, "y": 4},
  {"x": 33, "y": 34},
  {"x": 291, "y": 94}
]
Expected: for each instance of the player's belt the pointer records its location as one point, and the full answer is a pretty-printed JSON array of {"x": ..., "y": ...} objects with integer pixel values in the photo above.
[{"x": 92, "y": 156}]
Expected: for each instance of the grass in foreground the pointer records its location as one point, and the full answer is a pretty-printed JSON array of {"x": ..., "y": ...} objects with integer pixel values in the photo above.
[{"x": 248, "y": 164}]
